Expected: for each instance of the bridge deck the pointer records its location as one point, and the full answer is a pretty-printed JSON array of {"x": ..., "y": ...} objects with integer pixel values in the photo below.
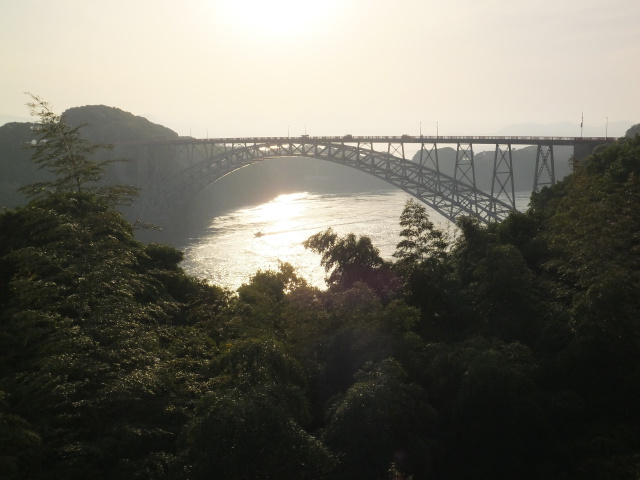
[{"x": 486, "y": 140}]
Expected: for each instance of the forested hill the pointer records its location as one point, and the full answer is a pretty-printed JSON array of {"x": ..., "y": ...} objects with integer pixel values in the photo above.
[
  {"x": 104, "y": 124},
  {"x": 509, "y": 352},
  {"x": 112, "y": 125}
]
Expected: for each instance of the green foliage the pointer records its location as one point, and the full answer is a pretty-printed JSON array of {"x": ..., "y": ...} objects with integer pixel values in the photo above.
[
  {"x": 262, "y": 303},
  {"x": 486, "y": 393},
  {"x": 349, "y": 260},
  {"x": 595, "y": 244},
  {"x": 164, "y": 256},
  {"x": 421, "y": 241},
  {"x": 266, "y": 363},
  {"x": 633, "y": 131},
  {"x": 592, "y": 273},
  {"x": 400, "y": 433},
  {"x": 361, "y": 329},
  {"x": 502, "y": 281},
  {"x": 521, "y": 230},
  {"x": 19, "y": 443},
  {"x": 270, "y": 285},
  {"x": 496, "y": 282},
  {"x": 258, "y": 407},
  {"x": 423, "y": 262}
]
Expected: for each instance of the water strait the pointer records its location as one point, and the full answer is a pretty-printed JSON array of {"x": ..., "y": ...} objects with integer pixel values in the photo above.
[{"x": 239, "y": 242}]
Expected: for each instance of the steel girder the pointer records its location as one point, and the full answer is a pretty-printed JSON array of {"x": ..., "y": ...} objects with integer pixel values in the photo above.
[{"x": 449, "y": 196}]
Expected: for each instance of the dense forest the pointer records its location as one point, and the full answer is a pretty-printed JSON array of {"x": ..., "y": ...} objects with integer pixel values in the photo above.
[{"x": 511, "y": 351}]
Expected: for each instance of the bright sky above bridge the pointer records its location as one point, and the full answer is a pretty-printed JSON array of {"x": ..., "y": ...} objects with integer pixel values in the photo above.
[{"x": 365, "y": 67}]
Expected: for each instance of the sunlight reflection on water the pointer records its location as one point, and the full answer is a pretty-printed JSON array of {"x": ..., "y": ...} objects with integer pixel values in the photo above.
[{"x": 241, "y": 242}]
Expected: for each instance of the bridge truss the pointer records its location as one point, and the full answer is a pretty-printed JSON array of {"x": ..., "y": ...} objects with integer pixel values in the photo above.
[{"x": 421, "y": 176}]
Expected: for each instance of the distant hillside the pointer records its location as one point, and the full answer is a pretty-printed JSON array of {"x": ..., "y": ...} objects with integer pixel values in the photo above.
[
  {"x": 112, "y": 125},
  {"x": 15, "y": 162},
  {"x": 13, "y": 118},
  {"x": 103, "y": 125},
  {"x": 524, "y": 165}
]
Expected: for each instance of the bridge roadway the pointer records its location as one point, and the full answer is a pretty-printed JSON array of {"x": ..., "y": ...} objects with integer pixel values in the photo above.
[
  {"x": 451, "y": 139},
  {"x": 194, "y": 164}
]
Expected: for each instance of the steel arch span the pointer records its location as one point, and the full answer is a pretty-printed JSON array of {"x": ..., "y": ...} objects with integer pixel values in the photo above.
[{"x": 209, "y": 162}]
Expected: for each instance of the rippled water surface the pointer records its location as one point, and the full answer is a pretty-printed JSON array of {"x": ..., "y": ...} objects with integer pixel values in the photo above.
[{"x": 240, "y": 242}]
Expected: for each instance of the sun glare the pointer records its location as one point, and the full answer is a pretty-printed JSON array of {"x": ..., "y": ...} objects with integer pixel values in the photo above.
[
  {"x": 276, "y": 17},
  {"x": 281, "y": 211}
]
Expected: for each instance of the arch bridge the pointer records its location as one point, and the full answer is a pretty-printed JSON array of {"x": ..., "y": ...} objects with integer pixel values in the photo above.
[{"x": 176, "y": 169}]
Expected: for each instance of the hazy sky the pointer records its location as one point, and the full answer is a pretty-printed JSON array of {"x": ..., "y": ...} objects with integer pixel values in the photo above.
[{"x": 269, "y": 67}]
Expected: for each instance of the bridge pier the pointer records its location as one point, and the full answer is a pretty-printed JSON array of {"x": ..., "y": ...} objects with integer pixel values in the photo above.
[
  {"x": 429, "y": 159},
  {"x": 503, "y": 175},
  {"x": 544, "y": 165},
  {"x": 467, "y": 171}
]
